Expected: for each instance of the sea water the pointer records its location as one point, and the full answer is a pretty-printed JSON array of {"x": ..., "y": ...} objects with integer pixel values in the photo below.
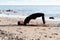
[{"x": 22, "y": 11}]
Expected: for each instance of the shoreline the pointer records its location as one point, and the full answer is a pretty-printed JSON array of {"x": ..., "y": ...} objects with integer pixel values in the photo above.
[{"x": 23, "y": 17}]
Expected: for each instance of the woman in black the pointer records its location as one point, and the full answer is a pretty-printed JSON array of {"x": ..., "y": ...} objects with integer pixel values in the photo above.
[{"x": 34, "y": 16}]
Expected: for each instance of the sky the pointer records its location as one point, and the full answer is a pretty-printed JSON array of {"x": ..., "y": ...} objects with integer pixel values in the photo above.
[{"x": 29, "y": 2}]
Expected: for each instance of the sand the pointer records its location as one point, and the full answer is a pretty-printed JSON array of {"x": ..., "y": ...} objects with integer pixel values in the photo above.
[{"x": 9, "y": 30}]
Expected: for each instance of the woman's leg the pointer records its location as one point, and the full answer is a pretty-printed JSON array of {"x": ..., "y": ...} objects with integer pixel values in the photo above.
[{"x": 43, "y": 19}]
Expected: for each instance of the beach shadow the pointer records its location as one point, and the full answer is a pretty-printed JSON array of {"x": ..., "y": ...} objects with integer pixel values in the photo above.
[
  {"x": 7, "y": 25},
  {"x": 35, "y": 25},
  {"x": 31, "y": 25}
]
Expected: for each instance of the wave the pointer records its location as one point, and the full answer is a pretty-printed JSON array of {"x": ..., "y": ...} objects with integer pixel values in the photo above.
[{"x": 24, "y": 16}]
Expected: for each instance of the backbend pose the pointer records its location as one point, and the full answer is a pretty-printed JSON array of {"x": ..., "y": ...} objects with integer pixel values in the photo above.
[{"x": 34, "y": 16}]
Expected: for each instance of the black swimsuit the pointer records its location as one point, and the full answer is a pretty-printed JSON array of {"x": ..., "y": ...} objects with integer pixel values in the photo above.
[{"x": 34, "y": 16}]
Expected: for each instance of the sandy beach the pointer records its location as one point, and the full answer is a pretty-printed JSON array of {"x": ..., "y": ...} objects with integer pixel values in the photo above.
[{"x": 9, "y": 30}]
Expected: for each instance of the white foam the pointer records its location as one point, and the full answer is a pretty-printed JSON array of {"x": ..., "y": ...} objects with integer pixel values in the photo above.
[
  {"x": 12, "y": 16},
  {"x": 21, "y": 16},
  {"x": 55, "y": 19},
  {"x": 47, "y": 18}
]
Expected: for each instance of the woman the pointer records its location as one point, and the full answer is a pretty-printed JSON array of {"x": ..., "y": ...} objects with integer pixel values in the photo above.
[{"x": 34, "y": 16}]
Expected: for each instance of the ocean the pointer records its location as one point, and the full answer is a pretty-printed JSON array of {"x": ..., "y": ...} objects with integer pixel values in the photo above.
[{"x": 22, "y": 11}]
